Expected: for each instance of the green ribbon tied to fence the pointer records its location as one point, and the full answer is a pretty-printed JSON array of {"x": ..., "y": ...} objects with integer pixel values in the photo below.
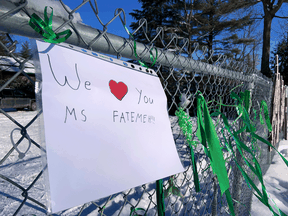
[
  {"x": 186, "y": 127},
  {"x": 207, "y": 134},
  {"x": 248, "y": 126},
  {"x": 160, "y": 198},
  {"x": 133, "y": 211},
  {"x": 45, "y": 28},
  {"x": 242, "y": 104},
  {"x": 266, "y": 114},
  {"x": 135, "y": 52}
]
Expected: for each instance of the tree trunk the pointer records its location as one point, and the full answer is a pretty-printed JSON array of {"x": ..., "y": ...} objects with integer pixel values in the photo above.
[
  {"x": 210, "y": 42},
  {"x": 254, "y": 57},
  {"x": 265, "y": 69}
]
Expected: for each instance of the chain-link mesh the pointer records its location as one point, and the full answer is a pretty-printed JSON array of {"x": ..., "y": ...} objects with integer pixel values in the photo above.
[{"x": 22, "y": 188}]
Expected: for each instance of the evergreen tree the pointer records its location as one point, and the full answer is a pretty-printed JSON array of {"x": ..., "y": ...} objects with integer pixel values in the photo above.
[
  {"x": 25, "y": 50},
  {"x": 200, "y": 21},
  {"x": 4, "y": 39},
  {"x": 157, "y": 13}
]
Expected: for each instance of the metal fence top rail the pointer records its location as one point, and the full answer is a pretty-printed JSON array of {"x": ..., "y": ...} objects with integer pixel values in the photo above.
[{"x": 14, "y": 18}]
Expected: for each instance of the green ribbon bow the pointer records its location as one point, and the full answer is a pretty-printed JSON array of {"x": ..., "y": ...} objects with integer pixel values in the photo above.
[{"x": 45, "y": 28}]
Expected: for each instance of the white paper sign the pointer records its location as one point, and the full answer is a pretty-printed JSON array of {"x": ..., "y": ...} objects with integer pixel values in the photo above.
[{"x": 106, "y": 126}]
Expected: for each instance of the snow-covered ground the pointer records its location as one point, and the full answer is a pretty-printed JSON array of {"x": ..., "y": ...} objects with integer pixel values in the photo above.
[
  {"x": 24, "y": 171},
  {"x": 276, "y": 182}
]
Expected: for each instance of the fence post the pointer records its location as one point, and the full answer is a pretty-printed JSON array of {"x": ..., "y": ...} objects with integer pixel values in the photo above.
[
  {"x": 237, "y": 183},
  {"x": 160, "y": 198},
  {"x": 285, "y": 115},
  {"x": 275, "y": 108}
]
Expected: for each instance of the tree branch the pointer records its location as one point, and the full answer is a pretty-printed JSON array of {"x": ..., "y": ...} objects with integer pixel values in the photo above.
[
  {"x": 258, "y": 17},
  {"x": 281, "y": 17},
  {"x": 277, "y": 7}
]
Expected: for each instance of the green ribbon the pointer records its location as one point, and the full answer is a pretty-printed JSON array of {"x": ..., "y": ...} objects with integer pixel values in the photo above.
[
  {"x": 266, "y": 115},
  {"x": 45, "y": 28},
  {"x": 186, "y": 127},
  {"x": 255, "y": 114},
  {"x": 206, "y": 133},
  {"x": 243, "y": 112},
  {"x": 150, "y": 52},
  {"x": 172, "y": 189},
  {"x": 263, "y": 197},
  {"x": 132, "y": 210},
  {"x": 160, "y": 198},
  {"x": 247, "y": 99}
]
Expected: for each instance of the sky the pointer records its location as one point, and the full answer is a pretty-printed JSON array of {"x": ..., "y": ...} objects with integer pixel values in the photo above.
[
  {"x": 107, "y": 10},
  {"x": 106, "y": 13}
]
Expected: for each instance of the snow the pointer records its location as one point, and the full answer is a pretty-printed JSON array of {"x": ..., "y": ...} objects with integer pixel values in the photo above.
[
  {"x": 24, "y": 171},
  {"x": 10, "y": 64},
  {"x": 58, "y": 9},
  {"x": 276, "y": 182}
]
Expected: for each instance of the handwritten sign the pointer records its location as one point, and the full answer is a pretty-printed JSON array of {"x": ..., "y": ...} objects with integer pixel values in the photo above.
[{"x": 106, "y": 126}]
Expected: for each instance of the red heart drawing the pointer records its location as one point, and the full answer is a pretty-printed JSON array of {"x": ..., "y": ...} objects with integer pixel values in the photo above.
[{"x": 119, "y": 90}]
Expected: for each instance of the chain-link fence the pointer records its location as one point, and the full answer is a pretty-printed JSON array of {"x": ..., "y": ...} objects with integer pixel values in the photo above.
[{"x": 22, "y": 189}]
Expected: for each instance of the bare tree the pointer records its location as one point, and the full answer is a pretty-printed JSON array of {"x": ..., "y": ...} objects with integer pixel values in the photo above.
[{"x": 271, "y": 7}]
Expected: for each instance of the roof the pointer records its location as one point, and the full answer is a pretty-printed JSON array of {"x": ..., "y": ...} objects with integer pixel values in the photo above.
[{"x": 9, "y": 64}]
